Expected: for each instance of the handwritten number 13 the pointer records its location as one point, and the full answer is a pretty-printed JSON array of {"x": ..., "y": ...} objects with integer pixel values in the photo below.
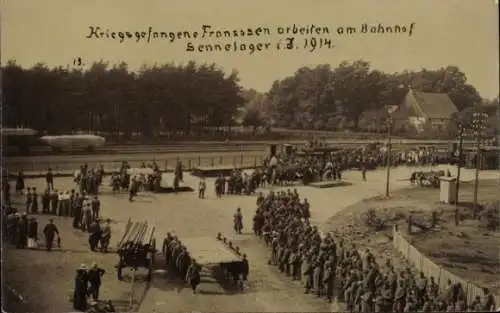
[{"x": 77, "y": 61}]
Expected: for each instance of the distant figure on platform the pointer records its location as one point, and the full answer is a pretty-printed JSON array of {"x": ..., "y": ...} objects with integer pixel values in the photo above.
[
  {"x": 96, "y": 208},
  {"x": 178, "y": 175},
  {"x": 49, "y": 178},
  {"x": 20, "y": 182},
  {"x": 238, "y": 221},
  {"x": 201, "y": 188},
  {"x": 132, "y": 192},
  {"x": 28, "y": 199},
  {"x": 34, "y": 202},
  {"x": 6, "y": 192},
  {"x": 178, "y": 170}
]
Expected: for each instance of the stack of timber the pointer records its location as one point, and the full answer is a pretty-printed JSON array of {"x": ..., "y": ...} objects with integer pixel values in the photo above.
[{"x": 137, "y": 247}]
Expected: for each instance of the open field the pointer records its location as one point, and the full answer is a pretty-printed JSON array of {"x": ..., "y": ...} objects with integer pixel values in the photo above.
[
  {"x": 186, "y": 216},
  {"x": 468, "y": 250}
]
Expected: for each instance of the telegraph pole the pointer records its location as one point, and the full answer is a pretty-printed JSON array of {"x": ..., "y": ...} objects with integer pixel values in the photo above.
[
  {"x": 459, "y": 162},
  {"x": 479, "y": 123},
  {"x": 389, "y": 156}
]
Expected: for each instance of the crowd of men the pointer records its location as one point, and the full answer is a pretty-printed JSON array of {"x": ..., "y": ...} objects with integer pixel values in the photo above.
[
  {"x": 328, "y": 164},
  {"x": 238, "y": 183},
  {"x": 329, "y": 267},
  {"x": 87, "y": 284},
  {"x": 82, "y": 206},
  {"x": 22, "y": 231},
  {"x": 179, "y": 262}
]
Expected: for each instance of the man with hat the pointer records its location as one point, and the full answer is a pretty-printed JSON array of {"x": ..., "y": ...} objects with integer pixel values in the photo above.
[
  {"x": 94, "y": 234},
  {"x": 80, "y": 292},
  {"x": 50, "y": 232},
  {"x": 193, "y": 275},
  {"x": 49, "y": 178},
  {"x": 32, "y": 233},
  {"x": 105, "y": 235},
  {"x": 94, "y": 277}
]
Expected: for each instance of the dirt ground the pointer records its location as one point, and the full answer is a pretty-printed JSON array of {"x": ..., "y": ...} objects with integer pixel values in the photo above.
[
  {"x": 43, "y": 281},
  {"x": 468, "y": 250}
]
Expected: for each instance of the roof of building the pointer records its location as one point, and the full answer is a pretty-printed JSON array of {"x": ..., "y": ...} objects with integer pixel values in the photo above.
[{"x": 435, "y": 105}]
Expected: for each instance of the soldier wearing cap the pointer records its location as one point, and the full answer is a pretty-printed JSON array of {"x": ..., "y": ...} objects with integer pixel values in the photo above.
[
  {"x": 50, "y": 231},
  {"x": 94, "y": 276}
]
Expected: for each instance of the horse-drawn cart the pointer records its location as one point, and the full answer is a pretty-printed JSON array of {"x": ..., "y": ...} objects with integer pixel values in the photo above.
[{"x": 137, "y": 248}]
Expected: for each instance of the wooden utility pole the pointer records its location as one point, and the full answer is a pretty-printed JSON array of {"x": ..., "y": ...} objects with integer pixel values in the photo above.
[
  {"x": 459, "y": 162},
  {"x": 389, "y": 157},
  {"x": 479, "y": 123}
]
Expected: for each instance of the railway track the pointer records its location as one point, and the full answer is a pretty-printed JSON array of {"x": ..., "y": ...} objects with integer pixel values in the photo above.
[
  {"x": 110, "y": 161},
  {"x": 203, "y": 146},
  {"x": 130, "y": 149}
]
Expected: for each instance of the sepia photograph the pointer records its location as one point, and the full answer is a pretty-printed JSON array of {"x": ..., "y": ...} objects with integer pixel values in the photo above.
[{"x": 250, "y": 156}]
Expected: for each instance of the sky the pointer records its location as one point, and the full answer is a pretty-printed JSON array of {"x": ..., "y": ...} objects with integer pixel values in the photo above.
[{"x": 446, "y": 32}]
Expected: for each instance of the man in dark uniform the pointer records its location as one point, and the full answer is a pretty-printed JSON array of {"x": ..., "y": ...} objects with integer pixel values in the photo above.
[
  {"x": 54, "y": 201},
  {"x": 50, "y": 231},
  {"x": 77, "y": 212},
  {"x": 245, "y": 268},
  {"x": 29, "y": 199},
  {"x": 94, "y": 234},
  {"x": 94, "y": 277},
  {"x": 96, "y": 208},
  {"x": 34, "y": 201},
  {"x": 193, "y": 275},
  {"x": 49, "y": 178}
]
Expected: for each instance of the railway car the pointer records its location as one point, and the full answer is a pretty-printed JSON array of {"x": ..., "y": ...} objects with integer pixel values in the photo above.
[
  {"x": 19, "y": 138},
  {"x": 74, "y": 142}
]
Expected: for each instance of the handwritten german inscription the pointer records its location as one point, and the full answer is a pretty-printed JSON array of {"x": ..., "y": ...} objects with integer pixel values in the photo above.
[{"x": 210, "y": 39}]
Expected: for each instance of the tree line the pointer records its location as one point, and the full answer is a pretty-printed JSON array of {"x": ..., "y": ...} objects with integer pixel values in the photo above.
[
  {"x": 192, "y": 97},
  {"x": 355, "y": 96},
  {"x": 112, "y": 99}
]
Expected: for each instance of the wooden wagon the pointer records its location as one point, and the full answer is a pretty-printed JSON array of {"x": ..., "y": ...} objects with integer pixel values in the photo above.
[{"x": 137, "y": 248}]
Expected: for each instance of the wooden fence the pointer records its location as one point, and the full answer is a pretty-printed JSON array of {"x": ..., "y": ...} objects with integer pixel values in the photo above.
[{"x": 429, "y": 268}]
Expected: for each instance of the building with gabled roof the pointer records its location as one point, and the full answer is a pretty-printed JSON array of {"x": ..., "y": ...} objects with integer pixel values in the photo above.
[{"x": 422, "y": 110}]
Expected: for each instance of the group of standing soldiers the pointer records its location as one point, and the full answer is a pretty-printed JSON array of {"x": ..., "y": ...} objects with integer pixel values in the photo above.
[
  {"x": 329, "y": 267},
  {"x": 88, "y": 179},
  {"x": 179, "y": 262},
  {"x": 238, "y": 183},
  {"x": 22, "y": 230},
  {"x": 84, "y": 206}
]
